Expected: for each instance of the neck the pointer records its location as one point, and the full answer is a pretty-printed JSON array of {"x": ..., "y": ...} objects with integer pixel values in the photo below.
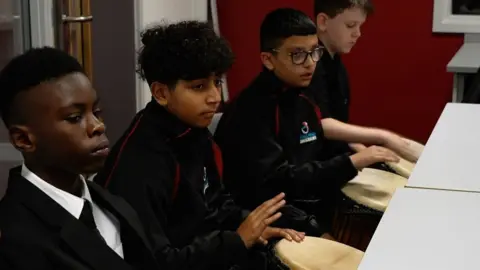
[
  {"x": 61, "y": 179},
  {"x": 326, "y": 45}
]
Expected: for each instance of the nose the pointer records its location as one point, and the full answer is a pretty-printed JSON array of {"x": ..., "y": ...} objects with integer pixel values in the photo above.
[
  {"x": 357, "y": 33},
  {"x": 96, "y": 127},
  {"x": 309, "y": 62},
  {"x": 214, "y": 95}
]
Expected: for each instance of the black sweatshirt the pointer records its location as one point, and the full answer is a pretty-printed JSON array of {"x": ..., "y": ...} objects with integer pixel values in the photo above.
[
  {"x": 272, "y": 139},
  {"x": 170, "y": 173}
]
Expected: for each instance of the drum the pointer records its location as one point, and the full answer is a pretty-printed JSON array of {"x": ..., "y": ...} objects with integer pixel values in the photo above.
[
  {"x": 315, "y": 254},
  {"x": 404, "y": 167},
  {"x": 362, "y": 204}
]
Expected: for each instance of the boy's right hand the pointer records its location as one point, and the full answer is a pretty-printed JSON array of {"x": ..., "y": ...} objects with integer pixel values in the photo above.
[
  {"x": 259, "y": 219},
  {"x": 372, "y": 155}
]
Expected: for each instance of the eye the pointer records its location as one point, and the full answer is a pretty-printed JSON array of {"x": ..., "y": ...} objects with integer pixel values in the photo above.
[
  {"x": 98, "y": 113},
  {"x": 218, "y": 82},
  {"x": 198, "y": 86},
  {"x": 351, "y": 25},
  {"x": 74, "y": 118}
]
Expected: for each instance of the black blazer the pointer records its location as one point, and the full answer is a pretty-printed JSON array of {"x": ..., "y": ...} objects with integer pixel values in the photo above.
[{"x": 38, "y": 233}]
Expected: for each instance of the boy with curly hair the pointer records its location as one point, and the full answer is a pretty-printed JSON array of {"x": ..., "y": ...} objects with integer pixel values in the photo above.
[{"x": 168, "y": 168}]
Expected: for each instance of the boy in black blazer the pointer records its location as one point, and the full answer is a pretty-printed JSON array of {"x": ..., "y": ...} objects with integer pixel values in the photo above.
[{"x": 50, "y": 217}]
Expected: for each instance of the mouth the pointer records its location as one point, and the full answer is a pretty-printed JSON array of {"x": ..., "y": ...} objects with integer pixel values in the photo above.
[
  {"x": 101, "y": 150},
  {"x": 208, "y": 114},
  {"x": 307, "y": 76}
]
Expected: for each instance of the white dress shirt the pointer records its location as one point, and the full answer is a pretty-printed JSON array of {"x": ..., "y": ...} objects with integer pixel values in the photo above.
[{"x": 107, "y": 224}]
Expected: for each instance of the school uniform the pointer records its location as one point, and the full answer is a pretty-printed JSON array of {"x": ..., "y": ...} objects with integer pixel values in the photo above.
[
  {"x": 43, "y": 227},
  {"x": 272, "y": 139},
  {"x": 330, "y": 87},
  {"x": 171, "y": 174},
  {"x": 330, "y": 90}
]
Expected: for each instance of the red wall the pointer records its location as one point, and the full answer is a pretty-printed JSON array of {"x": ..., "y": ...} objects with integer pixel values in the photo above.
[{"x": 397, "y": 70}]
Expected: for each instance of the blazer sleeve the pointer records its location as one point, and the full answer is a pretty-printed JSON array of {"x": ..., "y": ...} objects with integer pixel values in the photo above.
[
  {"x": 256, "y": 154},
  {"x": 150, "y": 194}
]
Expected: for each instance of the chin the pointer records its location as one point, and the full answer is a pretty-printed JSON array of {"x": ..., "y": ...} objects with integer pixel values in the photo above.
[
  {"x": 304, "y": 83},
  {"x": 202, "y": 124},
  {"x": 347, "y": 49},
  {"x": 93, "y": 167}
]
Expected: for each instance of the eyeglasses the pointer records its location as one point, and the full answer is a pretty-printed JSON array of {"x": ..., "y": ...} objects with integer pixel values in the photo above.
[{"x": 299, "y": 58}]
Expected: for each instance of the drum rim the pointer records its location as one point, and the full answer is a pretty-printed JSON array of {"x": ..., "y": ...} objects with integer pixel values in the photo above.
[{"x": 383, "y": 172}]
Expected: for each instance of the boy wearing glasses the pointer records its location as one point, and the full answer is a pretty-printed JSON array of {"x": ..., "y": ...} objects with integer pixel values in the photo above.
[{"x": 271, "y": 136}]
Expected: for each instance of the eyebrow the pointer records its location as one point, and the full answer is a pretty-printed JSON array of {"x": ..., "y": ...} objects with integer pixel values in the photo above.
[{"x": 82, "y": 105}]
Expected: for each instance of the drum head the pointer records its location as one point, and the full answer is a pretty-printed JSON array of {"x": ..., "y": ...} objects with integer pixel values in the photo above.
[
  {"x": 318, "y": 253},
  {"x": 373, "y": 188},
  {"x": 417, "y": 147},
  {"x": 404, "y": 167}
]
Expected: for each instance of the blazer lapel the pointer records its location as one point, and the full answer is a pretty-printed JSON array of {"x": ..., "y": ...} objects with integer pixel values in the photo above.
[
  {"x": 136, "y": 247},
  {"x": 81, "y": 241}
]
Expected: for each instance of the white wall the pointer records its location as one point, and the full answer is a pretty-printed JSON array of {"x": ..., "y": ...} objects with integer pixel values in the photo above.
[{"x": 153, "y": 11}]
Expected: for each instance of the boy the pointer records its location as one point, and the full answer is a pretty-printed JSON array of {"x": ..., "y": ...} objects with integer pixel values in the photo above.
[
  {"x": 169, "y": 169},
  {"x": 50, "y": 217},
  {"x": 271, "y": 136},
  {"x": 338, "y": 29}
]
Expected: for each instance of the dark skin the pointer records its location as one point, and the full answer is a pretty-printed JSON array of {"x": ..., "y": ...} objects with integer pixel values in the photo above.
[{"x": 59, "y": 131}]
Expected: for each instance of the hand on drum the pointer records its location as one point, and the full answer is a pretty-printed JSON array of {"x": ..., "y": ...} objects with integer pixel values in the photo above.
[
  {"x": 289, "y": 234},
  {"x": 372, "y": 155},
  {"x": 259, "y": 219},
  {"x": 400, "y": 146},
  {"x": 357, "y": 147}
]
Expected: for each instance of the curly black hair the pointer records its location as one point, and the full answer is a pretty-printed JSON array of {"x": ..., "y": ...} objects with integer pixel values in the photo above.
[
  {"x": 334, "y": 7},
  {"x": 281, "y": 24},
  {"x": 28, "y": 70},
  {"x": 187, "y": 50}
]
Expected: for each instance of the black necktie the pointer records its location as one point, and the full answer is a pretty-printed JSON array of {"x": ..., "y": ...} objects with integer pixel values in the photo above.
[{"x": 87, "y": 218}]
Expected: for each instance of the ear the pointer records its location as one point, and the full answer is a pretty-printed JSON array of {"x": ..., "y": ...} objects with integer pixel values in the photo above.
[
  {"x": 322, "y": 20},
  {"x": 160, "y": 92},
  {"x": 266, "y": 59},
  {"x": 22, "y": 138}
]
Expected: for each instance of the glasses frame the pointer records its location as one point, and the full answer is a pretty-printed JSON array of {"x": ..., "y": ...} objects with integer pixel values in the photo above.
[{"x": 321, "y": 50}]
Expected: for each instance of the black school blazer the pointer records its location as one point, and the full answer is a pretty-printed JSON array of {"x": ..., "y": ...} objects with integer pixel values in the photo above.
[{"x": 38, "y": 233}]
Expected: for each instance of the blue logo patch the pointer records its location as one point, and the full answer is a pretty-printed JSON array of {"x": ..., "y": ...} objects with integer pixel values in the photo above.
[{"x": 306, "y": 135}]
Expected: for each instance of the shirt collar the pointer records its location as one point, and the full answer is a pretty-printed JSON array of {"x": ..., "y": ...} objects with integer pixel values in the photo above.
[{"x": 69, "y": 202}]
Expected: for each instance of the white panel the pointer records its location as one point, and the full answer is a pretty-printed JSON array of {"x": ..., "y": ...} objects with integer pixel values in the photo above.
[
  {"x": 445, "y": 22},
  {"x": 426, "y": 230},
  {"x": 41, "y": 23}
]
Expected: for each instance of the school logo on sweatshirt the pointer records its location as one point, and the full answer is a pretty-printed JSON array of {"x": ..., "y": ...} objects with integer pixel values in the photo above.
[{"x": 306, "y": 135}]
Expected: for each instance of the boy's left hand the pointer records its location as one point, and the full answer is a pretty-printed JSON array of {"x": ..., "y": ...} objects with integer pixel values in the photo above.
[
  {"x": 289, "y": 234},
  {"x": 400, "y": 146}
]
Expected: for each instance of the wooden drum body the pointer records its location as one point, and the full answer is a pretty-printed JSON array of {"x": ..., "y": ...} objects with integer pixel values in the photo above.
[
  {"x": 362, "y": 204},
  {"x": 317, "y": 254}
]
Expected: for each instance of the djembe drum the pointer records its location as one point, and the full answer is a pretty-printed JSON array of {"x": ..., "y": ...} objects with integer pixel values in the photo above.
[
  {"x": 405, "y": 167},
  {"x": 361, "y": 205},
  {"x": 316, "y": 254}
]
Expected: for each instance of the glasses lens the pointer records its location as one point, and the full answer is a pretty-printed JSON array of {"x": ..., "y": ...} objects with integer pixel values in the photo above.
[
  {"x": 317, "y": 54},
  {"x": 298, "y": 58}
]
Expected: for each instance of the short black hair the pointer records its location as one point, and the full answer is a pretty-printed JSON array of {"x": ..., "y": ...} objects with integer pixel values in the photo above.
[
  {"x": 186, "y": 50},
  {"x": 334, "y": 7},
  {"x": 28, "y": 70},
  {"x": 281, "y": 24}
]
